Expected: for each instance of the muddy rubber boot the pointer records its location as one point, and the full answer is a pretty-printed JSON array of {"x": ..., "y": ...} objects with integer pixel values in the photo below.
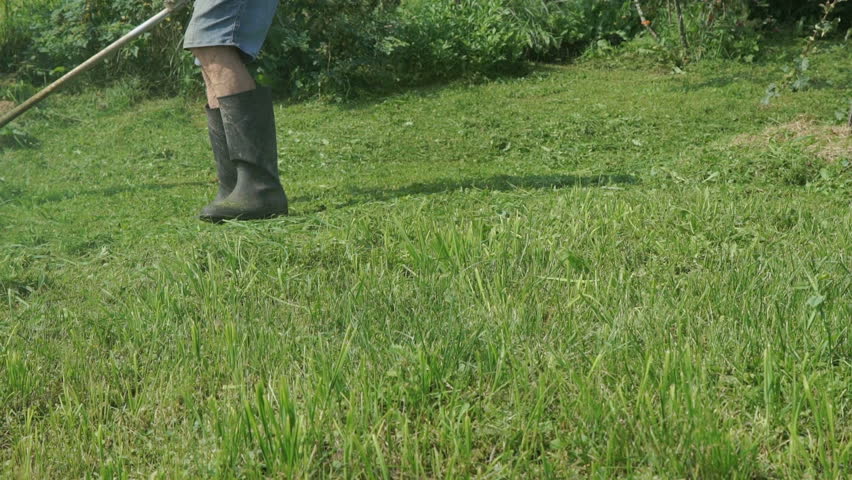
[
  {"x": 225, "y": 170},
  {"x": 249, "y": 123}
]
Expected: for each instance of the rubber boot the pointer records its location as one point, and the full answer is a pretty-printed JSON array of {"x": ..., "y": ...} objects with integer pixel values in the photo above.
[
  {"x": 225, "y": 170},
  {"x": 249, "y": 123}
]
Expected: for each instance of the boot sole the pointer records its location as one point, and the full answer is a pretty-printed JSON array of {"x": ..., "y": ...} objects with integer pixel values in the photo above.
[{"x": 241, "y": 218}]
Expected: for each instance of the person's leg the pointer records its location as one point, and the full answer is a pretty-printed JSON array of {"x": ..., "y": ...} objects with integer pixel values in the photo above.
[
  {"x": 212, "y": 101},
  {"x": 226, "y": 173},
  {"x": 248, "y": 122},
  {"x": 224, "y": 72},
  {"x": 222, "y": 34}
]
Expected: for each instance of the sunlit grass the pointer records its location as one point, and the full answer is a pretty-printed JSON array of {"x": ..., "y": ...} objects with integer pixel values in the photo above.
[{"x": 576, "y": 274}]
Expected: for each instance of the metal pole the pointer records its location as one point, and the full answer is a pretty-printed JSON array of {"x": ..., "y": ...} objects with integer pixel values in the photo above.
[{"x": 133, "y": 35}]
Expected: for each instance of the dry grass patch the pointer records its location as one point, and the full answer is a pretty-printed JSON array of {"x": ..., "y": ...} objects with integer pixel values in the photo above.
[{"x": 828, "y": 142}]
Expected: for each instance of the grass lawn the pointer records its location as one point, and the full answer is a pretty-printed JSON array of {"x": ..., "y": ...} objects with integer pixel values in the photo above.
[{"x": 595, "y": 271}]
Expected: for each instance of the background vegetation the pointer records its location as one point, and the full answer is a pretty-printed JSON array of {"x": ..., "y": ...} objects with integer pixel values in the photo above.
[{"x": 342, "y": 47}]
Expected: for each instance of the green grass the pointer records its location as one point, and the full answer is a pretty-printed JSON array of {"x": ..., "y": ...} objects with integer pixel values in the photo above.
[{"x": 575, "y": 274}]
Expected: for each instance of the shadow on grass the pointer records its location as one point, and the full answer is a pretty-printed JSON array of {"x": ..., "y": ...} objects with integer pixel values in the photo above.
[
  {"x": 114, "y": 190},
  {"x": 372, "y": 95},
  {"x": 496, "y": 183}
]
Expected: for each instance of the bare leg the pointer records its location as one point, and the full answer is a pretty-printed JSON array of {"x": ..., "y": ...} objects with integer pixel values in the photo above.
[
  {"x": 212, "y": 101},
  {"x": 224, "y": 73}
]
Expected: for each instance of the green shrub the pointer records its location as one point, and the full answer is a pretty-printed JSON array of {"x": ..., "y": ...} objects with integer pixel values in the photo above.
[
  {"x": 42, "y": 40},
  {"x": 727, "y": 29},
  {"x": 559, "y": 29},
  {"x": 341, "y": 47},
  {"x": 318, "y": 46},
  {"x": 15, "y": 30},
  {"x": 445, "y": 39},
  {"x": 718, "y": 29},
  {"x": 498, "y": 36},
  {"x": 789, "y": 11}
]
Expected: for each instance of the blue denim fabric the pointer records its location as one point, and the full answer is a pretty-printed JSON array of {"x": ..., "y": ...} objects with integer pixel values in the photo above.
[{"x": 238, "y": 23}]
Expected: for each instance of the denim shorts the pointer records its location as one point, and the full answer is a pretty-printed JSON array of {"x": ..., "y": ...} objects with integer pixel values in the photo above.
[{"x": 237, "y": 23}]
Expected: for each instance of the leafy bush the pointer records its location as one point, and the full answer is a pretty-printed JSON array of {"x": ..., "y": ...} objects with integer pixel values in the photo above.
[
  {"x": 729, "y": 29},
  {"x": 345, "y": 46},
  {"x": 709, "y": 29},
  {"x": 59, "y": 35},
  {"x": 14, "y": 26},
  {"x": 788, "y": 11},
  {"x": 720, "y": 30},
  {"x": 558, "y": 29},
  {"x": 319, "y": 46},
  {"x": 316, "y": 46},
  {"x": 446, "y": 39},
  {"x": 341, "y": 47},
  {"x": 504, "y": 34}
]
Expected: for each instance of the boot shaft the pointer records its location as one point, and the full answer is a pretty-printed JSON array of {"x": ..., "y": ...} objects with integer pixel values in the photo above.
[
  {"x": 249, "y": 124},
  {"x": 225, "y": 170}
]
